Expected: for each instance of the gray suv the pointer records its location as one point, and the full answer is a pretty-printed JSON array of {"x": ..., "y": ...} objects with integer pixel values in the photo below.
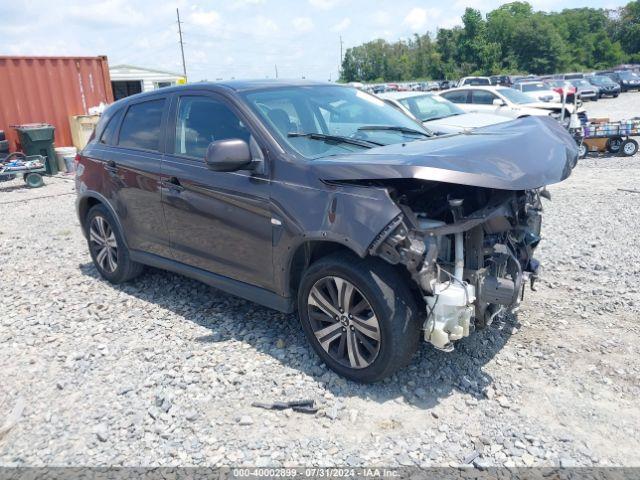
[{"x": 322, "y": 199}]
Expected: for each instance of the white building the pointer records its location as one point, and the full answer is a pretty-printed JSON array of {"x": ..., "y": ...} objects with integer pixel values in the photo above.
[{"x": 128, "y": 80}]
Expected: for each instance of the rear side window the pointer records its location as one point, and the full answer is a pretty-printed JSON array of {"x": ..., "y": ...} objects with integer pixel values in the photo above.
[
  {"x": 110, "y": 131},
  {"x": 141, "y": 125},
  {"x": 456, "y": 97}
]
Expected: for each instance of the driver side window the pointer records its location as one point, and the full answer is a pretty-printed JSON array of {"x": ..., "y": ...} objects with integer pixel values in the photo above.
[
  {"x": 202, "y": 120},
  {"x": 482, "y": 97}
]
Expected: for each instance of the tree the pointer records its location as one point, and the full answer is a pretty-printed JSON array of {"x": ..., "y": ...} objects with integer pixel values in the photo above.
[{"x": 512, "y": 38}]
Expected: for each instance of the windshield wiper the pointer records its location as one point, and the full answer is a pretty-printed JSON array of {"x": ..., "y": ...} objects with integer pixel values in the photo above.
[
  {"x": 440, "y": 117},
  {"x": 394, "y": 128},
  {"x": 336, "y": 138}
]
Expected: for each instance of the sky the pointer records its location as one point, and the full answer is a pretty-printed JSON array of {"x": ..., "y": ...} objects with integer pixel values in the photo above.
[{"x": 231, "y": 38}]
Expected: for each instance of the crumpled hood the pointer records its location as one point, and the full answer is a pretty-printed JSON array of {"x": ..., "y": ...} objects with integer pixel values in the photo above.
[{"x": 523, "y": 154}]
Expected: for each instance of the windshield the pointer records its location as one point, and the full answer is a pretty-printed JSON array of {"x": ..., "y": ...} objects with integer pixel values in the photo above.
[
  {"x": 580, "y": 83},
  {"x": 626, "y": 75},
  {"x": 515, "y": 96},
  {"x": 295, "y": 114},
  {"x": 602, "y": 81},
  {"x": 534, "y": 87},
  {"x": 430, "y": 107}
]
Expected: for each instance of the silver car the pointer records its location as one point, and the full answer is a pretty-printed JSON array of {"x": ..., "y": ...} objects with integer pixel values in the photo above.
[{"x": 585, "y": 90}]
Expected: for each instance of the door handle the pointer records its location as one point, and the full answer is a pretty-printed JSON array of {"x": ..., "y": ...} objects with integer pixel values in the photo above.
[
  {"x": 172, "y": 183},
  {"x": 111, "y": 166}
]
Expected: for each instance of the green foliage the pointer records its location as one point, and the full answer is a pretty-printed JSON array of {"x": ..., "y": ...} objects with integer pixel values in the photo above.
[{"x": 512, "y": 38}]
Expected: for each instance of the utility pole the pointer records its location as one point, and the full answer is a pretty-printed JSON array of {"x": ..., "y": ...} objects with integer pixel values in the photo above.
[
  {"x": 340, "y": 66},
  {"x": 276, "y": 67},
  {"x": 184, "y": 65}
]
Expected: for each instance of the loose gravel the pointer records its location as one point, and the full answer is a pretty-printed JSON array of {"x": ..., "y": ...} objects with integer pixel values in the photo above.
[{"x": 163, "y": 370}]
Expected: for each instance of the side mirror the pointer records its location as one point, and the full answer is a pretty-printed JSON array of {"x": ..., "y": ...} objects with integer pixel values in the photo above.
[
  {"x": 498, "y": 103},
  {"x": 228, "y": 155}
]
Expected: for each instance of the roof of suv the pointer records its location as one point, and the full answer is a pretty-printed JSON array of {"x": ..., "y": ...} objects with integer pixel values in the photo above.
[{"x": 241, "y": 86}]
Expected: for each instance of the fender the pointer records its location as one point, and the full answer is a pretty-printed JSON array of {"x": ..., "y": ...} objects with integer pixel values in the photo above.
[{"x": 81, "y": 210}]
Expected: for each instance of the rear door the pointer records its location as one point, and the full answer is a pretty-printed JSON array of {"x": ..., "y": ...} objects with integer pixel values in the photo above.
[
  {"x": 217, "y": 221},
  {"x": 460, "y": 98},
  {"x": 131, "y": 154}
]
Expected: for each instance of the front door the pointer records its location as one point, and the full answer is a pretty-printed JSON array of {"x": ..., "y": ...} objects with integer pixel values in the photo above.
[{"x": 217, "y": 221}]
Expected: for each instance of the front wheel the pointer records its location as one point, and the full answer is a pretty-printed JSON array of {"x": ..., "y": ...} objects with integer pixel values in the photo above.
[
  {"x": 629, "y": 147},
  {"x": 359, "y": 315},
  {"x": 107, "y": 248},
  {"x": 582, "y": 150}
]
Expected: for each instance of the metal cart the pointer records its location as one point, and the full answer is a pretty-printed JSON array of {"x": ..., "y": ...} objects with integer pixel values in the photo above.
[
  {"x": 30, "y": 167},
  {"x": 612, "y": 137}
]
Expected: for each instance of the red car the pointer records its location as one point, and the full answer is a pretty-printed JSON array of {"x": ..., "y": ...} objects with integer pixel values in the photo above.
[{"x": 563, "y": 88}]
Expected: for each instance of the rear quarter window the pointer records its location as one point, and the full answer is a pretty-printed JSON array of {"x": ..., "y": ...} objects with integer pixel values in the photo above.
[
  {"x": 110, "y": 133},
  {"x": 141, "y": 125}
]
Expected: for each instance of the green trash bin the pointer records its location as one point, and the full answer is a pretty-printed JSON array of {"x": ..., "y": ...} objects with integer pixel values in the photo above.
[{"x": 37, "y": 139}]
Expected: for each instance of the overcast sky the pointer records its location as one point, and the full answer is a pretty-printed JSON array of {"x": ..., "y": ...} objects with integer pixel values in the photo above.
[{"x": 231, "y": 38}]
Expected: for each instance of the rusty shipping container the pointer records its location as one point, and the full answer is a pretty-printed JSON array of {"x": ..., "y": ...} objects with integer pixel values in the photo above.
[{"x": 50, "y": 90}]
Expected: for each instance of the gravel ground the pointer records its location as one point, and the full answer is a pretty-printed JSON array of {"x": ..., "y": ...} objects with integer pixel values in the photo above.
[{"x": 162, "y": 371}]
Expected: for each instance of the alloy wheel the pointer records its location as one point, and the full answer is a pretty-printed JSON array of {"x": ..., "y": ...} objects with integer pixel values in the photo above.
[
  {"x": 343, "y": 322},
  {"x": 103, "y": 244}
]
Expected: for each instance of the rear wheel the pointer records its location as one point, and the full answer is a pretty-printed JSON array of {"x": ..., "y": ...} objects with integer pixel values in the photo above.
[
  {"x": 614, "y": 144},
  {"x": 629, "y": 147},
  {"x": 34, "y": 180},
  {"x": 107, "y": 248},
  {"x": 359, "y": 315}
]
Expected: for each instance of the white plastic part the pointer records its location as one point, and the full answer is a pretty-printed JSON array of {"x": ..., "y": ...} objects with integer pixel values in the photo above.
[
  {"x": 459, "y": 257},
  {"x": 450, "y": 311}
]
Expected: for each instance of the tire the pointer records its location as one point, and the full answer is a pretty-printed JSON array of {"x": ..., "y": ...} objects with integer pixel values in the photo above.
[
  {"x": 389, "y": 302},
  {"x": 629, "y": 148},
  {"x": 34, "y": 180},
  {"x": 582, "y": 150},
  {"x": 615, "y": 95},
  {"x": 614, "y": 144},
  {"x": 117, "y": 253}
]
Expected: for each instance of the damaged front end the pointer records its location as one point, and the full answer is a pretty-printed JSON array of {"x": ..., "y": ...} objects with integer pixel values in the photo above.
[
  {"x": 467, "y": 215},
  {"x": 469, "y": 250}
]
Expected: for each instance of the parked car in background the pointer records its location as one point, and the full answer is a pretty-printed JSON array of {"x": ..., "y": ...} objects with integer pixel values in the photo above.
[
  {"x": 572, "y": 76},
  {"x": 507, "y": 102},
  {"x": 432, "y": 86},
  {"x": 564, "y": 88},
  {"x": 446, "y": 84},
  {"x": 585, "y": 90},
  {"x": 539, "y": 90},
  {"x": 438, "y": 114},
  {"x": 627, "y": 79},
  {"x": 246, "y": 186},
  {"x": 474, "y": 81},
  {"x": 502, "y": 80},
  {"x": 605, "y": 85}
]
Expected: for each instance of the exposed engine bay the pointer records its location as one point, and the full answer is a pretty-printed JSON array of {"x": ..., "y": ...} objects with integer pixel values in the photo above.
[{"x": 468, "y": 249}]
